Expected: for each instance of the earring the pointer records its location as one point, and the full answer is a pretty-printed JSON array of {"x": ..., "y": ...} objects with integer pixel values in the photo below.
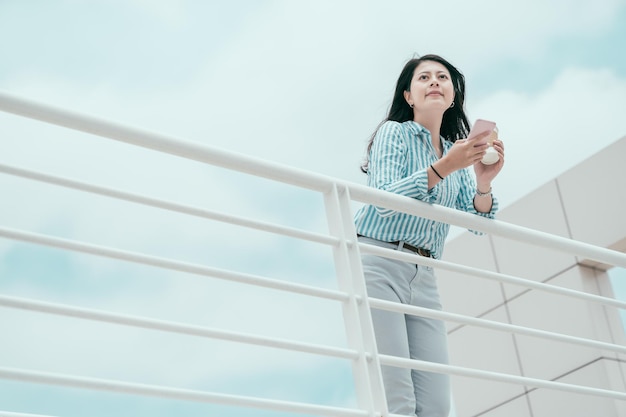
[
  {"x": 452, "y": 105},
  {"x": 410, "y": 105}
]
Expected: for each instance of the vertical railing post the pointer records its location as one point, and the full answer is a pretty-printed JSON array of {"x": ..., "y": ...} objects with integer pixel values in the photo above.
[{"x": 357, "y": 316}]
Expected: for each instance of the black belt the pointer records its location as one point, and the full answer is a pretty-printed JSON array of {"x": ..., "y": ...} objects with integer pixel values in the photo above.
[{"x": 420, "y": 251}]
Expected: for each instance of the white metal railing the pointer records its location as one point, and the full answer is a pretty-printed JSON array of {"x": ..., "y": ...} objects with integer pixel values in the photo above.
[{"x": 338, "y": 196}]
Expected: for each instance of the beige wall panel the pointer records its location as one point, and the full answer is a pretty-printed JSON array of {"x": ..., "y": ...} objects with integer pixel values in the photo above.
[{"x": 480, "y": 348}]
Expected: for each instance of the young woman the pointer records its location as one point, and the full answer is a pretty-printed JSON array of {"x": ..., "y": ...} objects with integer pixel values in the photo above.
[{"x": 420, "y": 150}]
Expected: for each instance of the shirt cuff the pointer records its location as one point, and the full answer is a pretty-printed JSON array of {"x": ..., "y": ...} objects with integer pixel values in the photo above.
[
  {"x": 491, "y": 214},
  {"x": 421, "y": 185}
]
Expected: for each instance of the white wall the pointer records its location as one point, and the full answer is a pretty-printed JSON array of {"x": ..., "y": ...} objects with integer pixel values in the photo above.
[{"x": 586, "y": 204}]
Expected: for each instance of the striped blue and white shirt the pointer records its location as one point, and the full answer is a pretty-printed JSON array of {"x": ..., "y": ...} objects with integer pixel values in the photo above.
[{"x": 399, "y": 158}]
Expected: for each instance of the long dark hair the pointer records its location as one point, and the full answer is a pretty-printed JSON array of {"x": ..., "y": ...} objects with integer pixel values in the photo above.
[{"x": 454, "y": 124}]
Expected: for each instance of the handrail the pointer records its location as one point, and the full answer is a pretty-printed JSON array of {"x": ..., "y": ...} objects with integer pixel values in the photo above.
[
  {"x": 140, "y": 258},
  {"x": 173, "y": 327},
  {"x": 495, "y": 276},
  {"x": 176, "y": 393},
  {"x": 164, "y": 143},
  {"x": 297, "y": 233},
  {"x": 167, "y": 205},
  {"x": 489, "y": 324},
  {"x": 496, "y": 376},
  {"x": 298, "y": 177},
  {"x": 361, "y": 350}
]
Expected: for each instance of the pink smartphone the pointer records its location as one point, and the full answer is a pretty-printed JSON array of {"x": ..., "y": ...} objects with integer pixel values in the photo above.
[{"x": 481, "y": 126}]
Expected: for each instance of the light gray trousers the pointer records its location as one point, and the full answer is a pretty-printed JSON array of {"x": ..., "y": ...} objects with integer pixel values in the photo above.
[{"x": 409, "y": 392}]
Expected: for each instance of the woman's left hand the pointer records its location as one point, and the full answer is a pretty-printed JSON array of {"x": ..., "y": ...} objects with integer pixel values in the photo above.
[{"x": 486, "y": 173}]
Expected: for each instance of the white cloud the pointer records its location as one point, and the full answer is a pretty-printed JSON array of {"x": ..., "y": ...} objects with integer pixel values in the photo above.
[
  {"x": 306, "y": 83},
  {"x": 301, "y": 83}
]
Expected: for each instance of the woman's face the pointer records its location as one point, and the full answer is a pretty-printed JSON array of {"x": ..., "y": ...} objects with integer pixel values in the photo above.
[{"x": 431, "y": 88}]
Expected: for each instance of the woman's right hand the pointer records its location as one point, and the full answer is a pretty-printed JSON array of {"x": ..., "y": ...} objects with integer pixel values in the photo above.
[{"x": 464, "y": 153}]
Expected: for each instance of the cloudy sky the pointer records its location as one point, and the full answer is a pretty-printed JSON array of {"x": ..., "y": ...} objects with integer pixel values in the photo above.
[{"x": 301, "y": 83}]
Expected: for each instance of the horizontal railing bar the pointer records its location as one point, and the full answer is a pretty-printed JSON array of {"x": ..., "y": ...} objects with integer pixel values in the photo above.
[
  {"x": 305, "y": 179},
  {"x": 494, "y": 325},
  {"x": 168, "y": 205},
  {"x": 308, "y": 180},
  {"x": 164, "y": 143},
  {"x": 173, "y": 327},
  {"x": 492, "y": 226},
  {"x": 481, "y": 273},
  {"x": 175, "y": 393},
  {"x": 170, "y": 264},
  {"x": 10, "y": 414},
  {"x": 495, "y": 376}
]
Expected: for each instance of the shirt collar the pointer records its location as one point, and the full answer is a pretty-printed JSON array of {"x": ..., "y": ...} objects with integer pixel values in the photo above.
[
  {"x": 418, "y": 129},
  {"x": 415, "y": 127}
]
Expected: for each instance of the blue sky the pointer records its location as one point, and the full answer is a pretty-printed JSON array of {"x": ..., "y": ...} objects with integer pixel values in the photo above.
[{"x": 299, "y": 83}]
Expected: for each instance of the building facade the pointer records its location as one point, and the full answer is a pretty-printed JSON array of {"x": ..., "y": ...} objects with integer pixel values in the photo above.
[{"x": 585, "y": 203}]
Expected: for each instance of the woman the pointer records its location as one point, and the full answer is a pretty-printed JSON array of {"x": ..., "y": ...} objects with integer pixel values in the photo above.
[{"x": 420, "y": 151}]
